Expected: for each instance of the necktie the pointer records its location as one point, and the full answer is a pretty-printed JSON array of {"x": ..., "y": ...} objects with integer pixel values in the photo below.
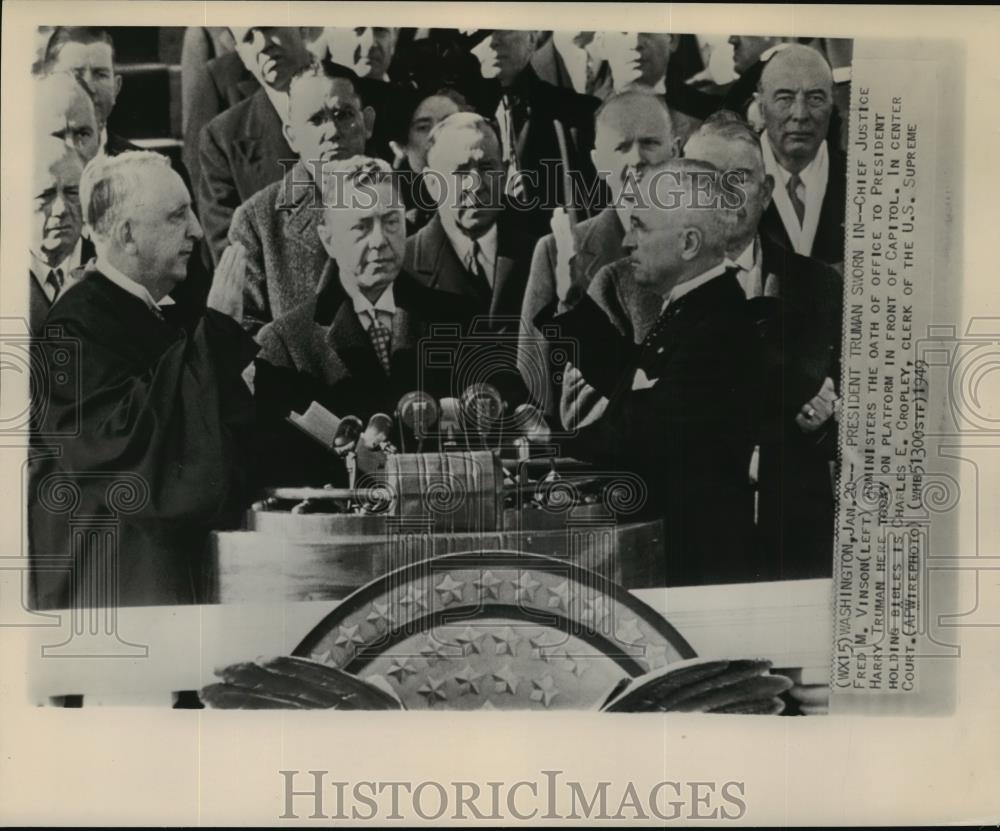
[
  {"x": 381, "y": 340},
  {"x": 475, "y": 267},
  {"x": 56, "y": 279},
  {"x": 797, "y": 193}
]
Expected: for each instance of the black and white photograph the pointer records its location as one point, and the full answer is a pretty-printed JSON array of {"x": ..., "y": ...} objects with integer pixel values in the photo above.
[{"x": 460, "y": 370}]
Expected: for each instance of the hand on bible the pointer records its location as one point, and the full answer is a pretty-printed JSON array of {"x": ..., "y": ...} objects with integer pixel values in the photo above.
[
  {"x": 226, "y": 294},
  {"x": 817, "y": 411},
  {"x": 565, "y": 251}
]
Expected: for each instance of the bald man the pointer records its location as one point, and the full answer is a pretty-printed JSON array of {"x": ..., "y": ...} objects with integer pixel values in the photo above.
[
  {"x": 680, "y": 409},
  {"x": 633, "y": 131},
  {"x": 65, "y": 110},
  {"x": 796, "y": 102}
]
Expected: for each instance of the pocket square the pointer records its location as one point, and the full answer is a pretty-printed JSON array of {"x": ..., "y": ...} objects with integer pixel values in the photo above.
[{"x": 641, "y": 381}]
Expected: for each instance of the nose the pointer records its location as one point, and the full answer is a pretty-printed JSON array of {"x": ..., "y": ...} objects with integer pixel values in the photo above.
[
  {"x": 631, "y": 157},
  {"x": 799, "y": 109},
  {"x": 366, "y": 40},
  {"x": 631, "y": 40},
  {"x": 259, "y": 41},
  {"x": 377, "y": 237},
  {"x": 194, "y": 226},
  {"x": 733, "y": 40},
  {"x": 58, "y": 205},
  {"x": 629, "y": 243}
]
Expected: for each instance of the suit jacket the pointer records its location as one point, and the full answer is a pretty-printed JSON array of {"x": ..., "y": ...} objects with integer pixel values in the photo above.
[
  {"x": 320, "y": 351},
  {"x": 147, "y": 432},
  {"x": 285, "y": 258},
  {"x": 210, "y": 88},
  {"x": 682, "y": 418},
  {"x": 38, "y": 301},
  {"x": 551, "y": 68},
  {"x": 828, "y": 245},
  {"x": 240, "y": 152},
  {"x": 598, "y": 242},
  {"x": 431, "y": 259},
  {"x": 801, "y": 334},
  {"x": 537, "y": 105}
]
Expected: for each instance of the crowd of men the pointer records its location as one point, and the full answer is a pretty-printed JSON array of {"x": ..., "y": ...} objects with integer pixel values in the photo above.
[{"x": 344, "y": 192}]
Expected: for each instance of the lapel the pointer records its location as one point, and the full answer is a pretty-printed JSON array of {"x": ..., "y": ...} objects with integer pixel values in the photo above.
[
  {"x": 435, "y": 263},
  {"x": 684, "y": 318},
  {"x": 261, "y": 144},
  {"x": 353, "y": 346},
  {"x": 296, "y": 202}
]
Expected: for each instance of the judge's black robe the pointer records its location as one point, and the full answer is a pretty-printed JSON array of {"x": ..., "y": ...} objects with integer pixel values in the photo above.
[{"x": 136, "y": 447}]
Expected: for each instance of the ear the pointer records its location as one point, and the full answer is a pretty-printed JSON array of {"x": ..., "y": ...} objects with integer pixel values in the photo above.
[
  {"x": 368, "y": 114},
  {"x": 675, "y": 148},
  {"x": 691, "y": 242},
  {"x": 767, "y": 190},
  {"x": 118, "y": 85},
  {"x": 289, "y": 133},
  {"x": 123, "y": 236},
  {"x": 673, "y": 42}
]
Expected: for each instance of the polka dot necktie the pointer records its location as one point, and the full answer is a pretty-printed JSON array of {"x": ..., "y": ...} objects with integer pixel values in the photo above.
[{"x": 381, "y": 339}]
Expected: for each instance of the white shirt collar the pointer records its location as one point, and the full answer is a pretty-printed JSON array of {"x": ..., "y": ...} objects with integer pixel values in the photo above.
[
  {"x": 363, "y": 307},
  {"x": 690, "y": 285},
  {"x": 749, "y": 265},
  {"x": 814, "y": 177},
  {"x": 40, "y": 269},
  {"x": 462, "y": 245},
  {"x": 126, "y": 283}
]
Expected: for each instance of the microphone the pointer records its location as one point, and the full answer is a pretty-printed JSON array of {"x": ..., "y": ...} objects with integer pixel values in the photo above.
[
  {"x": 482, "y": 409},
  {"x": 418, "y": 412},
  {"x": 451, "y": 423},
  {"x": 531, "y": 428}
]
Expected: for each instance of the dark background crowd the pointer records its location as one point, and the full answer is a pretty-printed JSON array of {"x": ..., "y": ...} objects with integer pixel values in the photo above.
[{"x": 217, "y": 293}]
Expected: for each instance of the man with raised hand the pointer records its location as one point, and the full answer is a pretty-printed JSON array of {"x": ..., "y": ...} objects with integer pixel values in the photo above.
[
  {"x": 161, "y": 414},
  {"x": 633, "y": 131},
  {"x": 680, "y": 410}
]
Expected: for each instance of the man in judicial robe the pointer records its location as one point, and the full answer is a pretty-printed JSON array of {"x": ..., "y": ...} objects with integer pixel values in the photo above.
[
  {"x": 355, "y": 347},
  {"x": 137, "y": 453},
  {"x": 681, "y": 411}
]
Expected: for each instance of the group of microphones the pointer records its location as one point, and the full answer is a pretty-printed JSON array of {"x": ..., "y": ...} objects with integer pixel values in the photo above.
[{"x": 478, "y": 420}]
